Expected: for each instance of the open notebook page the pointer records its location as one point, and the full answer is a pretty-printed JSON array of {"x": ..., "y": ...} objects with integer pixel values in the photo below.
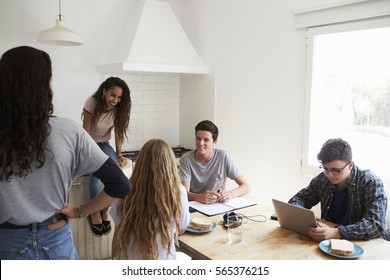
[{"x": 219, "y": 208}]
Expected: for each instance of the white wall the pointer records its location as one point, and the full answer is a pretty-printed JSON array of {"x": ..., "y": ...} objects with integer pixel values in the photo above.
[
  {"x": 74, "y": 68},
  {"x": 257, "y": 58},
  {"x": 252, "y": 48},
  {"x": 197, "y": 103},
  {"x": 155, "y": 109},
  {"x": 257, "y": 53}
]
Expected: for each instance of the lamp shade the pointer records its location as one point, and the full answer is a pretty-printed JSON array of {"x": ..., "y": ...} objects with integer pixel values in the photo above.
[{"x": 60, "y": 35}]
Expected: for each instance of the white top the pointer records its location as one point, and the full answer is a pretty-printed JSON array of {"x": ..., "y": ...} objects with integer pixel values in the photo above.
[
  {"x": 162, "y": 253},
  {"x": 101, "y": 131}
]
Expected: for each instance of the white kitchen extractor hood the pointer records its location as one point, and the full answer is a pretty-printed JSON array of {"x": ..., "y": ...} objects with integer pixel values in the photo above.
[{"x": 153, "y": 40}]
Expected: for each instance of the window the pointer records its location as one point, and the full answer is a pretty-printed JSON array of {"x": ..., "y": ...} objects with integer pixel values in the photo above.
[{"x": 348, "y": 92}]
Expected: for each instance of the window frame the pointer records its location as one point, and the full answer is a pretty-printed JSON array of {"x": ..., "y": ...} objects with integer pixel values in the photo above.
[{"x": 306, "y": 168}]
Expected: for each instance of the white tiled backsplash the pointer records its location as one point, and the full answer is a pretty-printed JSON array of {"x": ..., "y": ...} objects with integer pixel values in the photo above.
[{"x": 167, "y": 106}]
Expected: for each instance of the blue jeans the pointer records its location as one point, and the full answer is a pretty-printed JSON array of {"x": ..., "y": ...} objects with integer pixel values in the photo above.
[
  {"x": 95, "y": 185},
  {"x": 37, "y": 244}
]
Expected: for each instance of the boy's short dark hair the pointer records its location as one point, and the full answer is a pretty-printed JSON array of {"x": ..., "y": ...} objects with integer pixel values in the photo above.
[
  {"x": 335, "y": 149},
  {"x": 208, "y": 126}
]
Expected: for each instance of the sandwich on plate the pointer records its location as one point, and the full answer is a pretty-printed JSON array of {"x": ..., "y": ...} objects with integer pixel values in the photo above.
[
  {"x": 200, "y": 224},
  {"x": 342, "y": 247}
]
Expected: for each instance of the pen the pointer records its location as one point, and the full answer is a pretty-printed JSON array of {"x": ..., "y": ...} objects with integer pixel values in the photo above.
[{"x": 218, "y": 191}]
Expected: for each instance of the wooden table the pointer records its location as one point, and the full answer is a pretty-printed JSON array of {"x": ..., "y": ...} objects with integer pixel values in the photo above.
[{"x": 265, "y": 241}]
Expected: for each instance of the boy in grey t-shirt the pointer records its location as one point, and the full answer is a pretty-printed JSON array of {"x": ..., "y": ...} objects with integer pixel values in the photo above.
[{"x": 204, "y": 171}]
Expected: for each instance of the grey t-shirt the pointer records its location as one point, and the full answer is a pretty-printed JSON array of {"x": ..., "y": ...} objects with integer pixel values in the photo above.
[
  {"x": 208, "y": 176},
  {"x": 71, "y": 152}
]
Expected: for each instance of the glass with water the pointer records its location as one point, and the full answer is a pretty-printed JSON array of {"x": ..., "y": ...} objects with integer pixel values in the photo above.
[{"x": 235, "y": 227}]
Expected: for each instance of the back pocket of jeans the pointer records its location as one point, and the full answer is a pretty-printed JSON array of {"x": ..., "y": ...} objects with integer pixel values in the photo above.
[
  {"x": 61, "y": 249},
  {"x": 12, "y": 253}
]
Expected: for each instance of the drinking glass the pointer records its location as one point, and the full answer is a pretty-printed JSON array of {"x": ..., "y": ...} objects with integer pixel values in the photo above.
[{"x": 235, "y": 227}]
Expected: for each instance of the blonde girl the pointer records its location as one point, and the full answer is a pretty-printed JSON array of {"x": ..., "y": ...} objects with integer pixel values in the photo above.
[{"x": 149, "y": 220}]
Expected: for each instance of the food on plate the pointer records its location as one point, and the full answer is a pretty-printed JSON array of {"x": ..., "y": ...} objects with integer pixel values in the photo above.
[
  {"x": 342, "y": 247},
  {"x": 200, "y": 224}
]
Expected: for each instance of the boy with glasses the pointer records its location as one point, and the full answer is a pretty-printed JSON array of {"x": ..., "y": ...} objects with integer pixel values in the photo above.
[{"x": 352, "y": 198}]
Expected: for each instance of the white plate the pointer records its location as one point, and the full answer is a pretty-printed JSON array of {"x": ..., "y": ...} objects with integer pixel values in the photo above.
[
  {"x": 190, "y": 229},
  {"x": 325, "y": 247}
]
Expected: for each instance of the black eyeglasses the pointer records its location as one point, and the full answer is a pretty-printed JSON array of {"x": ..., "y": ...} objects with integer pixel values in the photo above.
[{"x": 334, "y": 171}]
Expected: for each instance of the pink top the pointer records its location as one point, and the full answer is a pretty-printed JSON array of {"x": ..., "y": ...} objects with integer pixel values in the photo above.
[{"x": 101, "y": 131}]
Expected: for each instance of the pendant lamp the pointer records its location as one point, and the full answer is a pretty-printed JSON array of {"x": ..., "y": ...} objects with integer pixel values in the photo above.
[{"x": 60, "y": 35}]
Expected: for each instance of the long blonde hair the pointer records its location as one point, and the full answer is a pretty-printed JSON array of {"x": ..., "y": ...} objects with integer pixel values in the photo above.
[{"x": 153, "y": 206}]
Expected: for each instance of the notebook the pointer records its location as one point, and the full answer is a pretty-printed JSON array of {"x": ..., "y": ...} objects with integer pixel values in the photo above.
[
  {"x": 294, "y": 217},
  {"x": 219, "y": 208}
]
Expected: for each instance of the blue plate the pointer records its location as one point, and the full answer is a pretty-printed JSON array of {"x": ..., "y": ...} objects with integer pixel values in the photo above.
[
  {"x": 325, "y": 247},
  {"x": 190, "y": 229}
]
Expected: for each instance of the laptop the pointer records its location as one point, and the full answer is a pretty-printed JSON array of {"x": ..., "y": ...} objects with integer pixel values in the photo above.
[{"x": 294, "y": 217}]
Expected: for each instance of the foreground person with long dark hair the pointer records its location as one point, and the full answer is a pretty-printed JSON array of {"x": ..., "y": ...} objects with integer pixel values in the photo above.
[{"x": 40, "y": 157}]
